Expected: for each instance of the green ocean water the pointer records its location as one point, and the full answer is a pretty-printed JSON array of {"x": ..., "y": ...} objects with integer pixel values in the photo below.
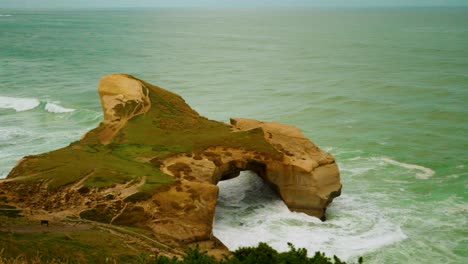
[{"x": 384, "y": 90}]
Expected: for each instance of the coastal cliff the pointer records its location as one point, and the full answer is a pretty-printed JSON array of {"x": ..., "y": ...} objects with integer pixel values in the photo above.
[{"x": 154, "y": 163}]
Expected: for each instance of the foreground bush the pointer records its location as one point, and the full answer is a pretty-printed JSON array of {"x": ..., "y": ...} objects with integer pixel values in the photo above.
[{"x": 261, "y": 254}]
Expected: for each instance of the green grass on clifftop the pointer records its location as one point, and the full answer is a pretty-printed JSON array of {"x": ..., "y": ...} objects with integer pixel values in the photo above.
[
  {"x": 27, "y": 242},
  {"x": 171, "y": 126},
  {"x": 96, "y": 163}
]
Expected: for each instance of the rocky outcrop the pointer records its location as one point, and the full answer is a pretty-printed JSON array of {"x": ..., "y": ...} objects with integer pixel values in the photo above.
[
  {"x": 121, "y": 98},
  {"x": 155, "y": 162}
]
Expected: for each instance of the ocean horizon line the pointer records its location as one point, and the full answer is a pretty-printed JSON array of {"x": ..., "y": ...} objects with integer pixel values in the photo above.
[{"x": 256, "y": 8}]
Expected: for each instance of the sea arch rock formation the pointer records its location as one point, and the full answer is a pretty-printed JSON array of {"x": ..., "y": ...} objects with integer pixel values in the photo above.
[
  {"x": 155, "y": 162},
  {"x": 305, "y": 177}
]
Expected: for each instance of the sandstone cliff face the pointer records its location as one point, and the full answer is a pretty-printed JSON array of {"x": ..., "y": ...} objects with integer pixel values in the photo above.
[
  {"x": 155, "y": 162},
  {"x": 121, "y": 99}
]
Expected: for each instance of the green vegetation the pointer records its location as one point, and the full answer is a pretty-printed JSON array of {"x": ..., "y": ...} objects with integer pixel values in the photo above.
[
  {"x": 83, "y": 246},
  {"x": 261, "y": 254},
  {"x": 102, "y": 169},
  {"x": 27, "y": 241}
]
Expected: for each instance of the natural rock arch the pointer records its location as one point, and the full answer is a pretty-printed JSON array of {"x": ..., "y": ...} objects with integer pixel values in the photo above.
[{"x": 305, "y": 177}]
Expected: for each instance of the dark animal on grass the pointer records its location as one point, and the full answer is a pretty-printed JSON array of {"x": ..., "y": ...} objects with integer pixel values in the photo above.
[{"x": 45, "y": 222}]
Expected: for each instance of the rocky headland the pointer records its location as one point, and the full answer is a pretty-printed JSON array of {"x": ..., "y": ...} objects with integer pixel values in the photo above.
[{"x": 154, "y": 163}]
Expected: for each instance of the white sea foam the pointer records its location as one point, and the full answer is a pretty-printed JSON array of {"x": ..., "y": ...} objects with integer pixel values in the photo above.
[
  {"x": 361, "y": 165},
  {"x": 249, "y": 212},
  {"x": 424, "y": 173},
  {"x": 25, "y": 104},
  {"x": 18, "y": 104},
  {"x": 9, "y": 134},
  {"x": 358, "y": 166},
  {"x": 55, "y": 108},
  {"x": 5, "y": 15}
]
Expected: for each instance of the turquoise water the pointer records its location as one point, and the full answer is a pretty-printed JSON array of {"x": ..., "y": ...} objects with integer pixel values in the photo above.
[{"x": 384, "y": 90}]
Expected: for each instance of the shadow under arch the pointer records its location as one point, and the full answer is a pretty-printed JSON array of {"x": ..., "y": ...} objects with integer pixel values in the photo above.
[{"x": 233, "y": 169}]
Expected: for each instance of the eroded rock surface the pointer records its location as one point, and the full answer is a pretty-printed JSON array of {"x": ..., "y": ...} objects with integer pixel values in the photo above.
[{"x": 154, "y": 162}]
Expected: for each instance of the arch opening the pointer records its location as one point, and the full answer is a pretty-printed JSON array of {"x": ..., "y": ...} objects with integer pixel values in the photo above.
[
  {"x": 243, "y": 203},
  {"x": 234, "y": 168}
]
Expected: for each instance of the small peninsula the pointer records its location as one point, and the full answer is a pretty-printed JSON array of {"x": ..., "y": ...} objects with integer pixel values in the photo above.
[{"x": 153, "y": 165}]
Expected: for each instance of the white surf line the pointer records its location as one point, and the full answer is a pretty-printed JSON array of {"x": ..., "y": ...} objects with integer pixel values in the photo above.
[
  {"x": 425, "y": 173},
  {"x": 55, "y": 108},
  {"x": 18, "y": 104}
]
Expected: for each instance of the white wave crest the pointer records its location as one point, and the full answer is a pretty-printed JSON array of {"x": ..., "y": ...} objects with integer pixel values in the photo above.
[
  {"x": 18, "y": 104},
  {"x": 425, "y": 173},
  {"x": 54, "y": 108},
  {"x": 5, "y": 15}
]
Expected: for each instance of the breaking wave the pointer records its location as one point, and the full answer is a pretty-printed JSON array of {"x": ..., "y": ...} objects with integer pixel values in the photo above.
[
  {"x": 54, "y": 108},
  {"x": 18, "y": 104},
  {"x": 26, "y": 104}
]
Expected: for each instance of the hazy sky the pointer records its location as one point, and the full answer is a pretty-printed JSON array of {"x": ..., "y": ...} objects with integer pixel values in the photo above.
[{"x": 221, "y": 3}]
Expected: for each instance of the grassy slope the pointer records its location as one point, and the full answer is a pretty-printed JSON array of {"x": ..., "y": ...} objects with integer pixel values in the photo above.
[{"x": 65, "y": 242}]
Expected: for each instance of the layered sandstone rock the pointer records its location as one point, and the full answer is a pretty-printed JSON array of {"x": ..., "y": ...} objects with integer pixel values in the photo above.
[
  {"x": 306, "y": 177},
  {"x": 155, "y": 162}
]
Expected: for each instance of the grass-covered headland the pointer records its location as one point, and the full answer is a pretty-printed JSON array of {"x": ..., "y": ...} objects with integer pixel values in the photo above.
[{"x": 141, "y": 187}]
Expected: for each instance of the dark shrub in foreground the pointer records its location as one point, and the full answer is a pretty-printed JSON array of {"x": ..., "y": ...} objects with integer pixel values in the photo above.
[{"x": 261, "y": 254}]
